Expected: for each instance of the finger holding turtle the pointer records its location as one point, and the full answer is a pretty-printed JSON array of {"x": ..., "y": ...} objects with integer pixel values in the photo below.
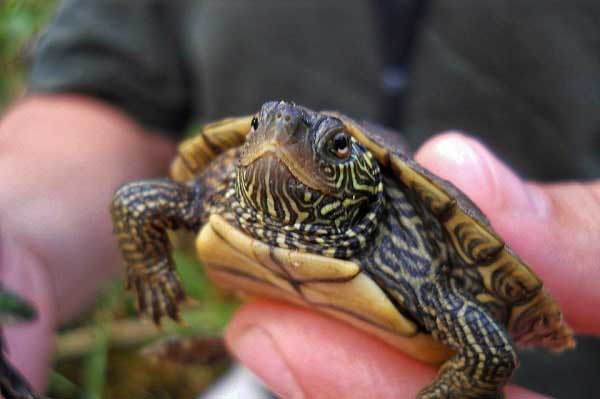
[
  {"x": 553, "y": 226},
  {"x": 299, "y": 353}
]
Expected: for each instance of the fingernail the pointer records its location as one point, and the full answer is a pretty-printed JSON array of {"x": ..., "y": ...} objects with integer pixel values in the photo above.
[
  {"x": 256, "y": 349},
  {"x": 459, "y": 159},
  {"x": 482, "y": 176}
]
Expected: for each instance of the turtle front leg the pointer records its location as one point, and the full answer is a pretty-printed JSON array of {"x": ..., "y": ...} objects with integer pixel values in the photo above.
[
  {"x": 142, "y": 212},
  {"x": 485, "y": 356}
]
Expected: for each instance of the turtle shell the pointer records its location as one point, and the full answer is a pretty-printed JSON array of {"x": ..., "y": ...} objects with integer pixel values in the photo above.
[{"x": 508, "y": 287}]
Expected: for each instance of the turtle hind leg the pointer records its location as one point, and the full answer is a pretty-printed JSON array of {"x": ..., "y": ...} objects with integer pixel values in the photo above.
[
  {"x": 142, "y": 212},
  {"x": 485, "y": 356},
  {"x": 191, "y": 350}
]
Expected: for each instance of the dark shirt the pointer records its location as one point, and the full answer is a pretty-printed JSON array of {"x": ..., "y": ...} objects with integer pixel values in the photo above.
[{"x": 524, "y": 77}]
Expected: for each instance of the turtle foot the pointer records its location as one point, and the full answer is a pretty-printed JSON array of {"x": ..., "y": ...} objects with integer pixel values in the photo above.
[{"x": 158, "y": 294}]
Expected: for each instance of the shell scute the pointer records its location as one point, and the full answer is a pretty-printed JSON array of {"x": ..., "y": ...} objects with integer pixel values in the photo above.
[{"x": 195, "y": 153}]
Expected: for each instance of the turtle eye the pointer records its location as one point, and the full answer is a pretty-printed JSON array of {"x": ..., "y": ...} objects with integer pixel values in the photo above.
[
  {"x": 340, "y": 145},
  {"x": 254, "y": 123}
]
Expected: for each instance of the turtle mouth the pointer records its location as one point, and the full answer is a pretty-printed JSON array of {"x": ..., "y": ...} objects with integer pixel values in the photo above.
[{"x": 297, "y": 160}]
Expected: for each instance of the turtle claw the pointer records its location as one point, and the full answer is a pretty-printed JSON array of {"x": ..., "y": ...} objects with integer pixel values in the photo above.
[{"x": 158, "y": 295}]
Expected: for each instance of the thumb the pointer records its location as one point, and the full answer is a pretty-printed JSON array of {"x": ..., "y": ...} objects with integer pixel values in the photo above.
[
  {"x": 553, "y": 227},
  {"x": 299, "y": 353}
]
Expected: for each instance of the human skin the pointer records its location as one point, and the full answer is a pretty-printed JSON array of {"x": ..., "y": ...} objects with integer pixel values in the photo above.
[{"x": 61, "y": 157}]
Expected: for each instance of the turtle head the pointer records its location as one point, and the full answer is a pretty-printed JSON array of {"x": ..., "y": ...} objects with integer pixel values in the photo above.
[{"x": 299, "y": 165}]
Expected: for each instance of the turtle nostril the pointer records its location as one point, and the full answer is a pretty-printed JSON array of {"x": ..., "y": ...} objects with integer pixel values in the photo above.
[{"x": 288, "y": 116}]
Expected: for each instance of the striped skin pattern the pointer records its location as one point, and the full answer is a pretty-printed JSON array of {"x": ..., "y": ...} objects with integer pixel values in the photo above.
[
  {"x": 410, "y": 258},
  {"x": 143, "y": 211},
  {"x": 275, "y": 207},
  {"x": 301, "y": 182}
]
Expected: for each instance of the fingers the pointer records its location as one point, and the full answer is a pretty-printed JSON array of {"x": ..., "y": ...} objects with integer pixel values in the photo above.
[
  {"x": 62, "y": 158},
  {"x": 472, "y": 168},
  {"x": 28, "y": 344},
  {"x": 554, "y": 228},
  {"x": 300, "y": 353}
]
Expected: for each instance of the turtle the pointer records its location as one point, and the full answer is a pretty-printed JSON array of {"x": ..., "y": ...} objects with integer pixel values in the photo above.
[
  {"x": 13, "y": 309},
  {"x": 320, "y": 209}
]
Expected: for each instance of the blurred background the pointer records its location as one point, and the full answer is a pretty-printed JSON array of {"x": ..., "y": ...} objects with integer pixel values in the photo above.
[
  {"x": 20, "y": 21},
  {"x": 99, "y": 355}
]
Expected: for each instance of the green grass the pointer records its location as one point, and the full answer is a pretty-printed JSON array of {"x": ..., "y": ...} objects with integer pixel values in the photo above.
[
  {"x": 20, "y": 22},
  {"x": 92, "y": 362},
  {"x": 106, "y": 366}
]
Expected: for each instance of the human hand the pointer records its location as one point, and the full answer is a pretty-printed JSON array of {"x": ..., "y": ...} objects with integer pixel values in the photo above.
[
  {"x": 61, "y": 158},
  {"x": 553, "y": 227}
]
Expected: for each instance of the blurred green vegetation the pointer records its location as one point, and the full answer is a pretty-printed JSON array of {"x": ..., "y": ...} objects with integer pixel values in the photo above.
[
  {"x": 98, "y": 356},
  {"x": 20, "y": 22}
]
